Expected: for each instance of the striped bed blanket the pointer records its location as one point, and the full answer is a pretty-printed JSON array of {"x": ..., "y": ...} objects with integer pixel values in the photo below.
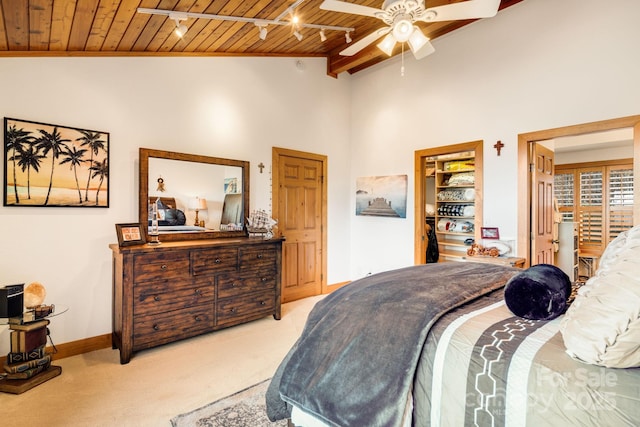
[{"x": 483, "y": 366}]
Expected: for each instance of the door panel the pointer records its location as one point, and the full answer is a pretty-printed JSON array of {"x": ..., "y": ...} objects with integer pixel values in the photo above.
[
  {"x": 542, "y": 196},
  {"x": 300, "y": 204}
]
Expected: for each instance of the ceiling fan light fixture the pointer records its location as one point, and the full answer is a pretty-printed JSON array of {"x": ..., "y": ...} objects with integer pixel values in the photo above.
[
  {"x": 387, "y": 44},
  {"x": 298, "y": 35},
  {"x": 347, "y": 36},
  {"x": 323, "y": 36},
  {"x": 402, "y": 29},
  {"x": 417, "y": 40}
]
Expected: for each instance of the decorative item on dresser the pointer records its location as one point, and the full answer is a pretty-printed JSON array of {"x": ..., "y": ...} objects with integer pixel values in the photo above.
[{"x": 180, "y": 289}]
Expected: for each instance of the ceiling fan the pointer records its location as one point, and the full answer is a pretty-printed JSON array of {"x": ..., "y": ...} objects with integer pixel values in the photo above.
[{"x": 401, "y": 16}]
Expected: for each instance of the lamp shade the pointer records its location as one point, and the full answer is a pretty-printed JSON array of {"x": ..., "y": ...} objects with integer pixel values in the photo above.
[
  {"x": 417, "y": 40},
  {"x": 402, "y": 30},
  {"x": 387, "y": 44},
  {"x": 198, "y": 203}
]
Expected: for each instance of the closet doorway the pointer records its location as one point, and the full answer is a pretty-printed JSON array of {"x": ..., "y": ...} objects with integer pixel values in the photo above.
[
  {"x": 528, "y": 207},
  {"x": 425, "y": 194}
]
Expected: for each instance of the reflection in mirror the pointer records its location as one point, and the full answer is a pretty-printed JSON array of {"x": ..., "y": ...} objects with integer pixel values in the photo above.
[{"x": 195, "y": 197}]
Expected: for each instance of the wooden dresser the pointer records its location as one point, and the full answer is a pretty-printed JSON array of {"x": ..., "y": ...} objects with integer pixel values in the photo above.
[{"x": 181, "y": 289}]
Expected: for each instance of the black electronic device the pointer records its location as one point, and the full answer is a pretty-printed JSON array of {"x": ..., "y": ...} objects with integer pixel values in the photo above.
[{"x": 11, "y": 300}]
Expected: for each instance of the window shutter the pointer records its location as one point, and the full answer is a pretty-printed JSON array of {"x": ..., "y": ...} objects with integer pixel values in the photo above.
[
  {"x": 590, "y": 210},
  {"x": 564, "y": 194},
  {"x": 599, "y": 198},
  {"x": 620, "y": 200}
]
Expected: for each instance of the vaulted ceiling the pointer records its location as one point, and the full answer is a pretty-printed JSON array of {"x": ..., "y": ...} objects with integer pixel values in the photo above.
[{"x": 117, "y": 28}]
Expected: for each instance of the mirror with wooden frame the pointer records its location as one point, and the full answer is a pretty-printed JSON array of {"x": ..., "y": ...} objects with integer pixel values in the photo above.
[{"x": 192, "y": 196}]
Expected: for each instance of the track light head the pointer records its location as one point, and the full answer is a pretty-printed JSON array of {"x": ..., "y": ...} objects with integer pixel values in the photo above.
[
  {"x": 298, "y": 35},
  {"x": 323, "y": 36},
  {"x": 180, "y": 29},
  {"x": 262, "y": 27},
  {"x": 347, "y": 36}
]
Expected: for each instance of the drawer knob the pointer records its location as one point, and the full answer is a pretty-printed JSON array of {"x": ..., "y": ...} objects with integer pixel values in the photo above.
[
  {"x": 264, "y": 279},
  {"x": 217, "y": 261},
  {"x": 263, "y": 303},
  {"x": 233, "y": 284},
  {"x": 156, "y": 327},
  {"x": 163, "y": 267},
  {"x": 198, "y": 292},
  {"x": 233, "y": 310},
  {"x": 197, "y": 318},
  {"x": 156, "y": 298},
  {"x": 259, "y": 256}
]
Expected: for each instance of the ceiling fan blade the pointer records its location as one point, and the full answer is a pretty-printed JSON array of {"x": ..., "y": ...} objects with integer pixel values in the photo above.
[
  {"x": 364, "y": 42},
  {"x": 343, "y": 6},
  {"x": 471, "y": 9},
  {"x": 425, "y": 50}
]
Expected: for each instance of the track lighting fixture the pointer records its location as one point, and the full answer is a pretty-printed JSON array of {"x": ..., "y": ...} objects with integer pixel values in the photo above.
[
  {"x": 347, "y": 36},
  {"x": 262, "y": 24},
  {"x": 262, "y": 30},
  {"x": 180, "y": 29}
]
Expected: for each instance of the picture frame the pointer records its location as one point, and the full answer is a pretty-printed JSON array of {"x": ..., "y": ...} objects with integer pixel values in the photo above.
[
  {"x": 130, "y": 234},
  {"x": 382, "y": 196},
  {"x": 490, "y": 233},
  {"x": 48, "y": 165}
]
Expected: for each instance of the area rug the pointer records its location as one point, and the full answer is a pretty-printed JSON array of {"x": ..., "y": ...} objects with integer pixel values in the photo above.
[{"x": 245, "y": 408}]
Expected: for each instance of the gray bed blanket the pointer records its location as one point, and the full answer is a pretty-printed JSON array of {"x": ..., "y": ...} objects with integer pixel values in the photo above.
[{"x": 355, "y": 360}]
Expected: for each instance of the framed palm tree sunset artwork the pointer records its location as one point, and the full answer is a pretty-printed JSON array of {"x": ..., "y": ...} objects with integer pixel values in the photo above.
[{"x": 53, "y": 165}]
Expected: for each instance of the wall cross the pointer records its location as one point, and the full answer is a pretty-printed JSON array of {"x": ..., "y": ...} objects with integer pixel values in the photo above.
[{"x": 498, "y": 146}]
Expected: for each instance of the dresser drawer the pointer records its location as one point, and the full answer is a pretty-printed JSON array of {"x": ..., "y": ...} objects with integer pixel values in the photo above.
[
  {"x": 160, "y": 266},
  {"x": 156, "y": 329},
  {"x": 214, "y": 260},
  {"x": 169, "y": 295},
  {"x": 259, "y": 257},
  {"x": 246, "y": 307},
  {"x": 230, "y": 285}
]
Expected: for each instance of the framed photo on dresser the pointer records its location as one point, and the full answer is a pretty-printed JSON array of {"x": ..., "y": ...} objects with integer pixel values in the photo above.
[{"x": 130, "y": 234}]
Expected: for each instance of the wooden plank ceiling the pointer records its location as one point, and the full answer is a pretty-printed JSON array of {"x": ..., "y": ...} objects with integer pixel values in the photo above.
[{"x": 115, "y": 28}]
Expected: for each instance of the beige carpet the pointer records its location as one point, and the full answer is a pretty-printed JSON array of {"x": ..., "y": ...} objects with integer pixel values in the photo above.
[
  {"x": 160, "y": 383},
  {"x": 245, "y": 408}
]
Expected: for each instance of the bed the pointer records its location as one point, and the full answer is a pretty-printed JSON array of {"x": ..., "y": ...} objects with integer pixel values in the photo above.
[
  {"x": 170, "y": 218},
  {"x": 436, "y": 345}
]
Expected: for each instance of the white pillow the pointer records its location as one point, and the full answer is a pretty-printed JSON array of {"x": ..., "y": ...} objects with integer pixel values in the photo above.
[{"x": 602, "y": 326}]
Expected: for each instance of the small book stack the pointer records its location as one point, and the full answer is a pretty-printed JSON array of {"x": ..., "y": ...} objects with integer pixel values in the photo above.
[{"x": 27, "y": 357}]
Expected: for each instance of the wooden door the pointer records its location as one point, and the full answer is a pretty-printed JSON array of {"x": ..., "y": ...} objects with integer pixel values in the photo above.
[
  {"x": 300, "y": 196},
  {"x": 542, "y": 205}
]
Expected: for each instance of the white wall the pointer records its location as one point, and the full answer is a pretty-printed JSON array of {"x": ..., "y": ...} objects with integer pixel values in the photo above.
[
  {"x": 235, "y": 108},
  {"x": 537, "y": 65}
]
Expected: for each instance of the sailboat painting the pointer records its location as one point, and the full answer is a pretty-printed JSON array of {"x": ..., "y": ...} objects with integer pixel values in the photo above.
[{"x": 384, "y": 196}]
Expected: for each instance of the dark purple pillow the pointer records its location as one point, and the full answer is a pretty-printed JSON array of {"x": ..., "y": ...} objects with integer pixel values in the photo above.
[{"x": 538, "y": 293}]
